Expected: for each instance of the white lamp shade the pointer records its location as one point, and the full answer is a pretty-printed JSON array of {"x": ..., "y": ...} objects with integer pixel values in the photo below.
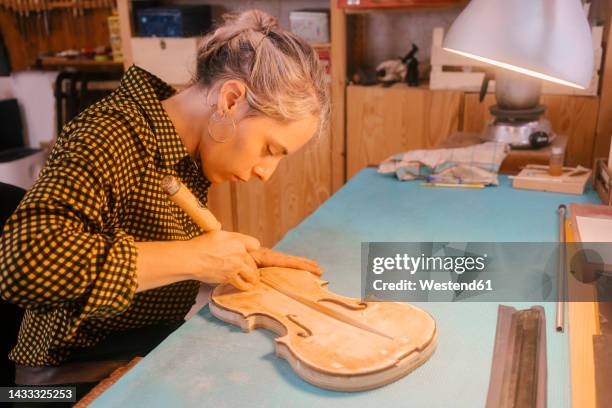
[{"x": 548, "y": 39}]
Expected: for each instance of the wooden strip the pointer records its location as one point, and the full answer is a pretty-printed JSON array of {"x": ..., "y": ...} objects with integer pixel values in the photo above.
[
  {"x": 582, "y": 325},
  {"x": 338, "y": 95},
  {"x": 602, "y": 346},
  {"x": 601, "y": 147},
  {"x": 105, "y": 384},
  {"x": 124, "y": 10}
]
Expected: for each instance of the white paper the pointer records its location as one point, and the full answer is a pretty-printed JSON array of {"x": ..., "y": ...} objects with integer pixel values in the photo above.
[{"x": 594, "y": 229}]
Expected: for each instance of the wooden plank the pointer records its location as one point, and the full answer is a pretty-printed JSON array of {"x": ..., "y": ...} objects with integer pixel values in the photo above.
[
  {"x": 338, "y": 95},
  {"x": 300, "y": 185},
  {"x": 457, "y": 81},
  {"x": 583, "y": 324},
  {"x": 601, "y": 146},
  {"x": 106, "y": 383},
  {"x": 124, "y": 10},
  {"x": 220, "y": 203},
  {"x": 383, "y": 121},
  {"x": 574, "y": 116}
]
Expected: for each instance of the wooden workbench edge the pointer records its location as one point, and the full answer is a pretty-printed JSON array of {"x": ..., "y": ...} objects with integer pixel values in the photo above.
[{"x": 583, "y": 323}]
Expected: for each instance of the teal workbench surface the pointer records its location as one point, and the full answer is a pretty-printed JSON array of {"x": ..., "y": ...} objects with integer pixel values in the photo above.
[{"x": 208, "y": 363}]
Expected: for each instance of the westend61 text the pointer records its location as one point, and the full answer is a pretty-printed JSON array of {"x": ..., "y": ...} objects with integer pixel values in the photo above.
[{"x": 429, "y": 284}]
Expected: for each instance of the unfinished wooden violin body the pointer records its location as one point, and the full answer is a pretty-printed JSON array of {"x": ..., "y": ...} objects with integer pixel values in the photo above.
[{"x": 331, "y": 341}]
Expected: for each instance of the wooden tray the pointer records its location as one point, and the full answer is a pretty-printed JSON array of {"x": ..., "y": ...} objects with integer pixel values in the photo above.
[{"x": 536, "y": 177}]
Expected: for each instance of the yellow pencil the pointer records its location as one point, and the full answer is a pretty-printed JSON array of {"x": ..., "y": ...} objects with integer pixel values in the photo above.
[{"x": 473, "y": 185}]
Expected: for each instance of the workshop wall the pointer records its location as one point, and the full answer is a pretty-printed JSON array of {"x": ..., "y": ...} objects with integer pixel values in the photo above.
[{"x": 26, "y": 38}]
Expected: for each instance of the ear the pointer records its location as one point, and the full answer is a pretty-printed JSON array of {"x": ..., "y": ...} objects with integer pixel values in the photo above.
[{"x": 231, "y": 95}]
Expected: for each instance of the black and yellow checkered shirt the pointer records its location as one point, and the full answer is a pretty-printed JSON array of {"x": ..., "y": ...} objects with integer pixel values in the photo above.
[{"x": 67, "y": 254}]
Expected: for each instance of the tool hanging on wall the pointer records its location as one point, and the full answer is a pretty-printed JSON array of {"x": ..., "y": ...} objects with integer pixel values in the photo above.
[
  {"x": 36, "y": 30},
  {"x": 36, "y": 13}
]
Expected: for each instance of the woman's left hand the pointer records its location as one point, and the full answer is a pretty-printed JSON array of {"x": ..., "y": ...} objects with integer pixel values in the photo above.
[{"x": 264, "y": 257}]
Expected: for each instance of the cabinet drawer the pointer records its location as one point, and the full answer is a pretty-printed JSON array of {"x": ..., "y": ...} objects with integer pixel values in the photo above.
[{"x": 171, "y": 59}]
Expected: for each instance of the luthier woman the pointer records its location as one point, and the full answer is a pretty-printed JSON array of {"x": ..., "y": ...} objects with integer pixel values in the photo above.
[{"x": 104, "y": 266}]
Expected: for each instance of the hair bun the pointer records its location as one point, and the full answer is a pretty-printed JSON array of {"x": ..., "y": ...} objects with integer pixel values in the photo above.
[
  {"x": 282, "y": 73},
  {"x": 254, "y": 20}
]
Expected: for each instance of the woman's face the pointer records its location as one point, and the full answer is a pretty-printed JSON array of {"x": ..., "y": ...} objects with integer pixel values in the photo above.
[{"x": 253, "y": 148}]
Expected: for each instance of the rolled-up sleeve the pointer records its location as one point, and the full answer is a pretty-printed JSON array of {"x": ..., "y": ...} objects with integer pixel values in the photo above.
[{"x": 60, "y": 246}]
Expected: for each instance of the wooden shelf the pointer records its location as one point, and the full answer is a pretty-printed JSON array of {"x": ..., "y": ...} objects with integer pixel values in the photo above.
[
  {"x": 321, "y": 46},
  {"x": 369, "y": 5},
  {"x": 61, "y": 62},
  {"x": 424, "y": 86}
]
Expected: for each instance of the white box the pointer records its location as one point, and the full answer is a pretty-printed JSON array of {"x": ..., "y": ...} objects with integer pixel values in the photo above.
[
  {"x": 312, "y": 26},
  {"x": 171, "y": 59}
]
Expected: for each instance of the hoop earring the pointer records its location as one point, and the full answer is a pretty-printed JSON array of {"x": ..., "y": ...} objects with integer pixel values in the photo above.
[{"x": 218, "y": 121}]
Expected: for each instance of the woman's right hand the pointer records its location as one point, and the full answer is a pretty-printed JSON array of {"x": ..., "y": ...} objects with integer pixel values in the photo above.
[{"x": 222, "y": 257}]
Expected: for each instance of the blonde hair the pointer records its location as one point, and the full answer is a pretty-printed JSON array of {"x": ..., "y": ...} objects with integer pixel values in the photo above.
[{"x": 282, "y": 72}]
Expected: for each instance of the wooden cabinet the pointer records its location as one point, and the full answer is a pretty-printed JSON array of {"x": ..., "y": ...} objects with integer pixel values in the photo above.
[{"x": 383, "y": 121}]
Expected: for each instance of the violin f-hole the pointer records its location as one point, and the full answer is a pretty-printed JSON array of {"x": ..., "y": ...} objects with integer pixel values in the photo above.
[
  {"x": 306, "y": 331},
  {"x": 358, "y": 306}
]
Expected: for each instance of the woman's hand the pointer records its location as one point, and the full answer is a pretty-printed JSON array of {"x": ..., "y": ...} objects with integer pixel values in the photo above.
[
  {"x": 214, "y": 257},
  {"x": 224, "y": 257},
  {"x": 267, "y": 257}
]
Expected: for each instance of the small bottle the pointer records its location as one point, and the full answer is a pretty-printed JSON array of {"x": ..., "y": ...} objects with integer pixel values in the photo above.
[{"x": 555, "y": 165}]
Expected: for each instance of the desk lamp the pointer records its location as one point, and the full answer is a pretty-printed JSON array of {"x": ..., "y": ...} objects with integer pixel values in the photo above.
[{"x": 528, "y": 41}]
